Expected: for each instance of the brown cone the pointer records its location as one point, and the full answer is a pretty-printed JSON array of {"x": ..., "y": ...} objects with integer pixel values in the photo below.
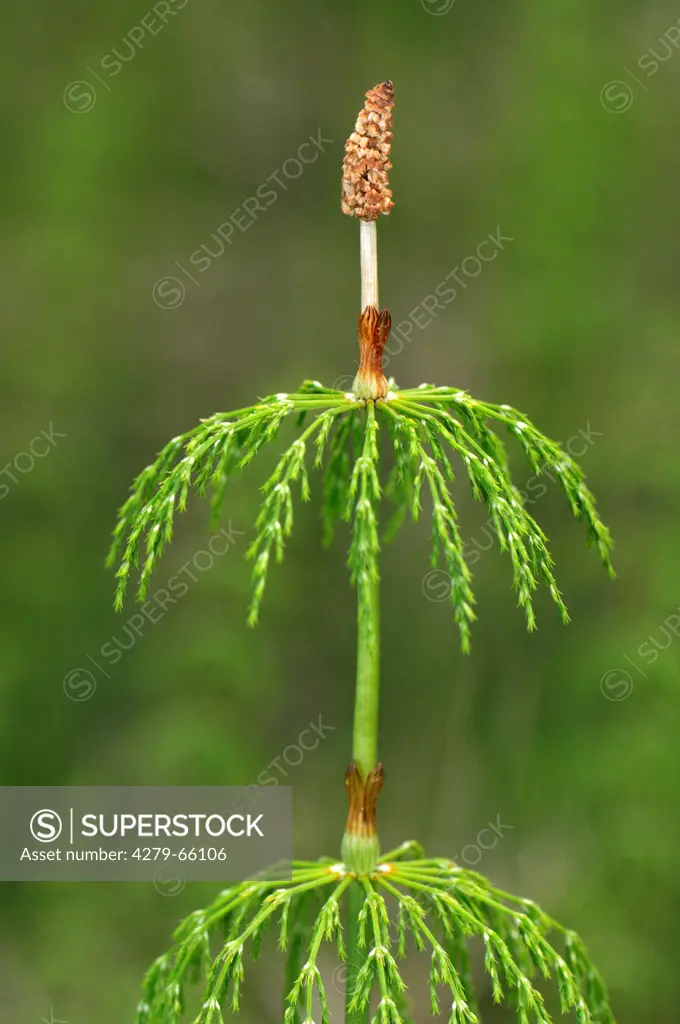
[{"x": 365, "y": 184}]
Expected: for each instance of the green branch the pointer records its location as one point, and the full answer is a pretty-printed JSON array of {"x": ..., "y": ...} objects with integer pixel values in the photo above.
[
  {"x": 434, "y": 432},
  {"x": 428, "y": 428},
  {"x": 432, "y": 903}
]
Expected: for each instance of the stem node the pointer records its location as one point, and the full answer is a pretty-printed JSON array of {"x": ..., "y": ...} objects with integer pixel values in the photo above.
[{"x": 360, "y": 844}]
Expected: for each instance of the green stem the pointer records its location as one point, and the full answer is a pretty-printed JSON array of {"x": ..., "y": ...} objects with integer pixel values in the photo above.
[
  {"x": 355, "y": 956},
  {"x": 365, "y": 736},
  {"x": 365, "y": 754},
  {"x": 294, "y": 962}
]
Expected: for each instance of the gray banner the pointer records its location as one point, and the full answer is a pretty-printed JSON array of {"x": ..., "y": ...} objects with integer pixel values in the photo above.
[{"x": 164, "y": 834}]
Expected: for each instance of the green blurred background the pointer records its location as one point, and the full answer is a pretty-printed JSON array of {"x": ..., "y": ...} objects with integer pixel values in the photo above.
[{"x": 506, "y": 117}]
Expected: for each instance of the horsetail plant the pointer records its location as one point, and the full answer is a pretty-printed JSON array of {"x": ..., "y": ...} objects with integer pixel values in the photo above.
[{"x": 371, "y": 906}]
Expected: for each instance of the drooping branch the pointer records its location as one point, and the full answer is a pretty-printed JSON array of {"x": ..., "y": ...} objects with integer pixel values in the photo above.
[{"x": 432, "y": 902}]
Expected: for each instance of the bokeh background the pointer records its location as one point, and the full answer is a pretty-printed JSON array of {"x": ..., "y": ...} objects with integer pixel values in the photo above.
[{"x": 555, "y": 123}]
